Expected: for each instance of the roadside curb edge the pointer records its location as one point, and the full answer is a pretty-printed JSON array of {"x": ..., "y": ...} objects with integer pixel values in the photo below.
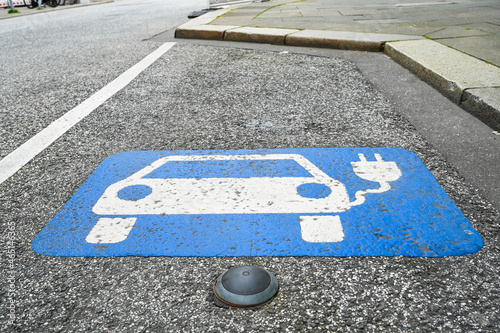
[{"x": 481, "y": 100}]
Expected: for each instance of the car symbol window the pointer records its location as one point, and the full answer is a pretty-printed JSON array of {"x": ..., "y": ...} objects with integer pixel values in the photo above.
[{"x": 225, "y": 184}]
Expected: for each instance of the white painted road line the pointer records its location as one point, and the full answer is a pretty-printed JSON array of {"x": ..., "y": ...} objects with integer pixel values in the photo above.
[{"x": 11, "y": 163}]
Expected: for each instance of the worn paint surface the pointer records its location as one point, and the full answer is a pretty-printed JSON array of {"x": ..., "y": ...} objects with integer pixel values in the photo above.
[{"x": 270, "y": 202}]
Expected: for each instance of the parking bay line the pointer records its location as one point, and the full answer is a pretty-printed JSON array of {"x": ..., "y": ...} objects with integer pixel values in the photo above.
[{"x": 14, "y": 161}]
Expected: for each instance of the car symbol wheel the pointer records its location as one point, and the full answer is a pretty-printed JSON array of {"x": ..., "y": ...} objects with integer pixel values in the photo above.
[
  {"x": 314, "y": 190},
  {"x": 134, "y": 192}
]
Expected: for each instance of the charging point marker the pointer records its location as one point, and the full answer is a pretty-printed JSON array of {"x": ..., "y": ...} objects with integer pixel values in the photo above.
[{"x": 269, "y": 202}]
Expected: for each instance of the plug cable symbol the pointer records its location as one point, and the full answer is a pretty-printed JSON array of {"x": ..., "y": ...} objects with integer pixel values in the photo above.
[{"x": 379, "y": 171}]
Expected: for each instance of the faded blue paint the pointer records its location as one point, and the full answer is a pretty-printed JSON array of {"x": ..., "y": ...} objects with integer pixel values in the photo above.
[{"x": 414, "y": 218}]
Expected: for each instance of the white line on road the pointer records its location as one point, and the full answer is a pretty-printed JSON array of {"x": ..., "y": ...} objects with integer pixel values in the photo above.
[{"x": 11, "y": 163}]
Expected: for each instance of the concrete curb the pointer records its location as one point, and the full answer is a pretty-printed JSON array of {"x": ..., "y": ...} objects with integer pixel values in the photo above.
[
  {"x": 355, "y": 41},
  {"x": 467, "y": 81},
  {"x": 258, "y": 35},
  {"x": 200, "y": 28}
]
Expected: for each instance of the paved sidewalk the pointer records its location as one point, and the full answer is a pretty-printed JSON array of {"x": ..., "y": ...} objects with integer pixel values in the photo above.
[
  {"x": 23, "y": 10},
  {"x": 452, "y": 45}
]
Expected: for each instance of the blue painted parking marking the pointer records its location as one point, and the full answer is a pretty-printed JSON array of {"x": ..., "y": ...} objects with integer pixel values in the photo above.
[{"x": 269, "y": 202}]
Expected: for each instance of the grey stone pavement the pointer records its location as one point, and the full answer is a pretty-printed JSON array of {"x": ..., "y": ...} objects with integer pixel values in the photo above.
[{"x": 452, "y": 45}]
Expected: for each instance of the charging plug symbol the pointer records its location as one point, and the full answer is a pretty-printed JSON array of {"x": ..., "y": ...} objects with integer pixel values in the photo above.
[{"x": 379, "y": 171}]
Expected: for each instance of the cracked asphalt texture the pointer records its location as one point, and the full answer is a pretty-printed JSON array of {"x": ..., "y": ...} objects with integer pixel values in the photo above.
[{"x": 209, "y": 97}]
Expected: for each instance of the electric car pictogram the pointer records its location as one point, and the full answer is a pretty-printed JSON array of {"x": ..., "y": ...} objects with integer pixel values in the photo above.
[
  {"x": 312, "y": 192},
  {"x": 346, "y": 201}
]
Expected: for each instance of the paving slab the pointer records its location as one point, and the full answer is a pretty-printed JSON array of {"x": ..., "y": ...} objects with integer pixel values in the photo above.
[
  {"x": 207, "y": 18},
  {"x": 455, "y": 32},
  {"x": 485, "y": 46}
]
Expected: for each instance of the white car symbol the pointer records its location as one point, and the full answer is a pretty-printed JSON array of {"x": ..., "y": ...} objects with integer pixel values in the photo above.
[
  {"x": 315, "y": 193},
  {"x": 223, "y": 195}
]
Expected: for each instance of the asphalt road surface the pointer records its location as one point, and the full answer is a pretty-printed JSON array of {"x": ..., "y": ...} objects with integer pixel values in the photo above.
[{"x": 214, "y": 96}]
